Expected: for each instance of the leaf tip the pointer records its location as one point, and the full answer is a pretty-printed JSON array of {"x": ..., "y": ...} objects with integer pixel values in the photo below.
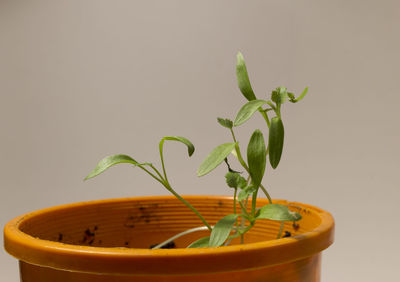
[
  {"x": 239, "y": 56},
  {"x": 89, "y": 176}
]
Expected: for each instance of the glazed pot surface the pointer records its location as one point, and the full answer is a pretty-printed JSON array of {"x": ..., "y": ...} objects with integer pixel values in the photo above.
[{"x": 109, "y": 240}]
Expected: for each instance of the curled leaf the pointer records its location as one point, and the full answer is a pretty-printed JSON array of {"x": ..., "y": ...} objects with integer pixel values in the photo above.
[
  {"x": 181, "y": 139},
  {"x": 295, "y": 100}
]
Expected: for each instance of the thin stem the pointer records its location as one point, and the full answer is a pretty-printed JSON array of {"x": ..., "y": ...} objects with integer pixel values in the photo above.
[
  {"x": 242, "y": 232},
  {"x": 233, "y": 135},
  {"x": 280, "y": 230},
  {"x": 169, "y": 188},
  {"x": 278, "y": 110},
  {"x": 253, "y": 203},
  {"x": 240, "y": 158},
  {"x": 243, "y": 218},
  {"x": 238, "y": 153},
  {"x": 271, "y": 105},
  {"x": 233, "y": 236},
  {"x": 230, "y": 238},
  {"x": 166, "y": 184},
  {"x": 162, "y": 161},
  {"x": 234, "y": 201},
  {"x": 245, "y": 214},
  {"x": 244, "y": 210},
  {"x": 156, "y": 170},
  {"x": 266, "y": 193},
  {"x": 195, "y": 229},
  {"x": 239, "y": 233},
  {"x": 265, "y": 116},
  {"x": 234, "y": 211},
  {"x": 152, "y": 175}
]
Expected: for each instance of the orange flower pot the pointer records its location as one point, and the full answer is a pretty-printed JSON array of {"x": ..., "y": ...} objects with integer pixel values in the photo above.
[{"x": 108, "y": 240}]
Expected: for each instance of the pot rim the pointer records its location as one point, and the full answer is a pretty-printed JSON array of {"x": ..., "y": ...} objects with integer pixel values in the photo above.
[{"x": 121, "y": 261}]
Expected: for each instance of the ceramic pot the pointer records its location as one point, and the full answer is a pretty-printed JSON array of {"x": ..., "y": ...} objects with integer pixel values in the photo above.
[{"x": 109, "y": 240}]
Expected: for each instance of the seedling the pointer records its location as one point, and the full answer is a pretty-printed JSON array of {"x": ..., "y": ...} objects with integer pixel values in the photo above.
[{"x": 241, "y": 221}]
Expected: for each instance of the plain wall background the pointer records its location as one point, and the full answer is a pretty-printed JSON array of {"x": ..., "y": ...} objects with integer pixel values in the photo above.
[{"x": 80, "y": 80}]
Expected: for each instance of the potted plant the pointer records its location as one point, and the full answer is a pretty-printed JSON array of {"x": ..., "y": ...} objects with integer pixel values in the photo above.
[{"x": 175, "y": 238}]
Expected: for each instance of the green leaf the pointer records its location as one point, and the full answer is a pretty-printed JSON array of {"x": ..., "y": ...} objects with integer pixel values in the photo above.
[
  {"x": 225, "y": 122},
  {"x": 277, "y": 212},
  {"x": 246, "y": 192},
  {"x": 256, "y": 157},
  {"x": 275, "y": 141},
  {"x": 235, "y": 180},
  {"x": 110, "y": 161},
  {"x": 295, "y": 100},
  {"x": 201, "y": 243},
  {"x": 215, "y": 158},
  {"x": 222, "y": 229},
  {"x": 179, "y": 139},
  {"x": 279, "y": 95},
  {"x": 247, "y": 111},
  {"x": 291, "y": 97},
  {"x": 243, "y": 78}
]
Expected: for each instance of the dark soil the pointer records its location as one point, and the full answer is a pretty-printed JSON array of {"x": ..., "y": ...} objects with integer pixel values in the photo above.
[{"x": 170, "y": 245}]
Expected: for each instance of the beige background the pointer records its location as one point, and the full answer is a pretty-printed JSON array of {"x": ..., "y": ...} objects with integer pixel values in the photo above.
[{"x": 83, "y": 79}]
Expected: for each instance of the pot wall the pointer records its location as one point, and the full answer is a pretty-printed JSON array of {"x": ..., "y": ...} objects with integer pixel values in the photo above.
[{"x": 307, "y": 270}]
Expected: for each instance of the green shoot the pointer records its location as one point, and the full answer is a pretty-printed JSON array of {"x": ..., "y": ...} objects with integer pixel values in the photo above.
[{"x": 243, "y": 219}]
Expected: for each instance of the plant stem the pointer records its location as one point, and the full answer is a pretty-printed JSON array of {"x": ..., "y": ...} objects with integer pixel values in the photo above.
[
  {"x": 253, "y": 203},
  {"x": 234, "y": 211},
  {"x": 201, "y": 228},
  {"x": 280, "y": 230},
  {"x": 242, "y": 232},
  {"x": 156, "y": 170},
  {"x": 152, "y": 175},
  {"x": 266, "y": 193},
  {"x": 245, "y": 214},
  {"x": 238, "y": 153},
  {"x": 234, "y": 201},
  {"x": 265, "y": 116},
  {"x": 233, "y": 136},
  {"x": 244, "y": 210},
  {"x": 240, "y": 158},
  {"x": 162, "y": 161},
  {"x": 278, "y": 110},
  {"x": 169, "y": 188}
]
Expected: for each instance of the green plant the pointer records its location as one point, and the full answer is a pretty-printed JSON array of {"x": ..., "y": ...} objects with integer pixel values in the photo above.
[{"x": 240, "y": 222}]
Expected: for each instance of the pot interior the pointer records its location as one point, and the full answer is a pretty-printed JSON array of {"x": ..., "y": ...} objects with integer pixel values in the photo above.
[{"x": 142, "y": 222}]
